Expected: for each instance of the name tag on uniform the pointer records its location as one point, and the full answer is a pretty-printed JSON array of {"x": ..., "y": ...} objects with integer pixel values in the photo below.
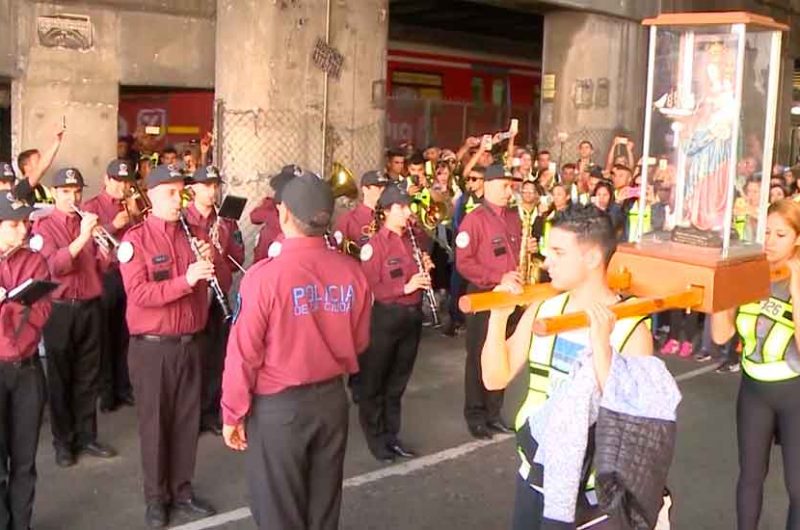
[
  {"x": 396, "y": 273},
  {"x": 160, "y": 276},
  {"x": 499, "y": 246},
  {"x": 162, "y": 258}
]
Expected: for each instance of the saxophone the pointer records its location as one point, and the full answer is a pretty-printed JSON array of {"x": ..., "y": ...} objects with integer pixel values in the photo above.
[{"x": 529, "y": 265}]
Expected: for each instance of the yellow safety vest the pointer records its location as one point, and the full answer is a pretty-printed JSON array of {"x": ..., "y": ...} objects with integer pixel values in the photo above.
[
  {"x": 769, "y": 364},
  {"x": 543, "y": 375},
  {"x": 739, "y": 223},
  {"x": 471, "y": 204},
  {"x": 548, "y": 224},
  {"x": 42, "y": 195},
  {"x": 633, "y": 222}
]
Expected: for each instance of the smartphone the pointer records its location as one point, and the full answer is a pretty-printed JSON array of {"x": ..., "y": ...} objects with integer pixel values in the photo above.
[
  {"x": 623, "y": 141},
  {"x": 651, "y": 161},
  {"x": 429, "y": 168},
  {"x": 486, "y": 142},
  {"x": 514, "y": 127},
  {"x": 552, "y": 167},
  {"x": 662, "y": 164}
]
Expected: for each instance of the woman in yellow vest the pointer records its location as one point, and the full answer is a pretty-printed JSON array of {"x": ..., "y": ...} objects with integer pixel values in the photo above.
[{"x": 769, "y": 394}]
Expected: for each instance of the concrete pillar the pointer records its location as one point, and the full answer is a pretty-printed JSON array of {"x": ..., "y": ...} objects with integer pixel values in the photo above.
[
  {"x": 599, "y": 68},
  {"x": 81, "y": 85},
  {"x": 273, "y": 96}
]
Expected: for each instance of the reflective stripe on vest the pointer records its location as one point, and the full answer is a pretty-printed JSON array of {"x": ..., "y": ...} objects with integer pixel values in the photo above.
[
  {"x": 739, "y": 222},
  {"x": 540, "y": 357},
  {"x": 633, "y": 222},
  {"x": 772, "y": 365},
  {"x": 471, "y": 204}
]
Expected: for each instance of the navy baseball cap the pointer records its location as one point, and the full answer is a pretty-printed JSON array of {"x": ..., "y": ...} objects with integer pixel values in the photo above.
[
  {"x": 7, "y": 171},
  {"x": 374, "y": 178},
  {"x": 309, "y": 199},
  {"x": 12, "y": 209},
  {"x": 279, "y": 181},
  {"x": 121, "y": 169},
  {"x": 164, "y": 175},
  {"x": 393, "y": 195},
  {"x": 496, "y": 172},
  {"x": 206, "y": 174},
  {"x": 69, "y": 176}
]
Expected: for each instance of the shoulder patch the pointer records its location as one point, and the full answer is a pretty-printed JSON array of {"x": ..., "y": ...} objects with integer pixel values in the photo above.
[
  {"x": 274, "y": 249},
  {"x": 36, "y": 243},
  {"x": 366, "y": 252},
  {"x": 462, "y": 240},
  {"x": 338, "y": 236},
  {"x": 125, "y": 252}
]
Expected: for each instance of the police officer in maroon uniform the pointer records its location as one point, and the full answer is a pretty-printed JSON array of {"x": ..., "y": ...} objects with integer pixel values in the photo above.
[
  {"x": 389, "y": 263},
  {"x": 355, "y": 225},
  {"x": 226, "y": 243},
  {"x": 22, "y": 384},
  {"x": 112, "y": 211},
  {"x": 72, "y": 336},
  {"x": 167, "y": 291},
  {"x": 266, "y": 213},
  {"x": 487, "y": 253},
  {"x": 303, "y": 318}
]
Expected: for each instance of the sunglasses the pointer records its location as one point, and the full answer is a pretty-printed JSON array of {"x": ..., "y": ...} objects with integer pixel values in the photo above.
[{"x": 473, "y": 179}]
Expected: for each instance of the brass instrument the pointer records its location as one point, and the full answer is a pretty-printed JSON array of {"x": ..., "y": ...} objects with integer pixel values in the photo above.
[
  {"x": 140, "y": 199},
  {"x": 214, "y": 281},
  {"x": 529, "y": 265},
  {"x": 429, "y": 295},
  {"x": 101, "y": 236},
  {"x": 343, "y": 182}
]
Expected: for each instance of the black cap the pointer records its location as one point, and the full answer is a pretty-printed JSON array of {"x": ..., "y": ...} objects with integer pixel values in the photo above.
[
  {"x": 6, "y": 171},
  {"x": 280, "y": 180},
  {"x": 495, "y": 172},
  {"x": 68, "y": 177},
  {"x": 309, "y": 199},
  {"x": 12, "y": 209},
  {"x": 206, "y": 174},
  {"x": 596, "y": 172},
  {"x": 374, "y": 178},
  {"x": 393, "y": 195},
  {"x": 164, "y": 175},
  {"x": 121, "y": 169}
]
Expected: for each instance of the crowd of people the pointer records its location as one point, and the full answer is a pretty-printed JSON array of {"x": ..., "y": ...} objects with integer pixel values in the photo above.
[{"x": 131, "y": 299}]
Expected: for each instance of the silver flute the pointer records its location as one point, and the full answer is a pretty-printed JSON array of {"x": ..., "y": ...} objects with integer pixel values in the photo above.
[
  {"x": 214, "y": 281},
  {"x": 429, "y": 295}
]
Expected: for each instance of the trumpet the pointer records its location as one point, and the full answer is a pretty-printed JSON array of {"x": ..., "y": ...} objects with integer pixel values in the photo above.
[
  {"x": 214, "y": 281},
  {"x": 102, "y": 237},
  {"x": 429, "y": 295}
]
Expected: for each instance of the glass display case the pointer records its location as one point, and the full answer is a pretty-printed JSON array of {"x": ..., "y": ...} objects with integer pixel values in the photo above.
[{"x": 712, "y": 88}]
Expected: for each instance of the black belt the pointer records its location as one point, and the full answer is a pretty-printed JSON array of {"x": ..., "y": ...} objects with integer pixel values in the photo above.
[
  {"x": 174, "y": 339},
  {"x": 21, "y": 363},
  {"x": 74, "y": 302}
]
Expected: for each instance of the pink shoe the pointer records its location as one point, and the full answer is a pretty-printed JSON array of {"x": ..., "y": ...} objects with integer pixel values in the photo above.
[
  {"x": 670, "y": 347},
  {"x": 686, "y": 350}
]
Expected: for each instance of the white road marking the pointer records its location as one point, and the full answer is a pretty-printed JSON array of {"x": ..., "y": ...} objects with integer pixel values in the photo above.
[{"x": 405, "y": 468}]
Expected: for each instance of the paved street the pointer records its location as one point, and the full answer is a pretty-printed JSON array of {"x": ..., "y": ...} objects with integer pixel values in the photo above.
[{"x": 458, "y": 483}]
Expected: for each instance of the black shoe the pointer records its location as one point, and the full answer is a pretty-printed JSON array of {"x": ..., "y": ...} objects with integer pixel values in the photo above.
[
  {"x": 126, "y": 399},
  {"x": 108, "y": 404},
  {"x": 98, "y": 450},
  {"x": 702, "y": 356},
  {"x": 195, "y": 506},
  {"x": 381, "y": 452},
  {"x": 214, "y": 427},
  {"x": 64, "y": 458},
  {"x": 397, "y": 448},
  {"x": 480, "y": 432},
  {"x": 156, "y": 515},
  {"x": 449, "y": 330},
  {"x": 728, "y": 367},
  {"x": 499, "y": 427}
]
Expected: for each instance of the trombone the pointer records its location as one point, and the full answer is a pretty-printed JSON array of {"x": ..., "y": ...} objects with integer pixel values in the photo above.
[{"x": 101, "y": 236}]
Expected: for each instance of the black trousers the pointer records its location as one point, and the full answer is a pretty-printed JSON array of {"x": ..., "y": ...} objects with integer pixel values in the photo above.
[
  {"x": 385, "y": 369},
  {"x": 761, "y": 409},
  {"x": 296, "y": 443},
  {"x": 72, "y": 341},
  {"x": 481, "y": 405},
  {"x": 22, "y": 397},
  {"x": 166, "y": 379},
  {"x": 215, "y": 342},
  {"x": 114, "y": 379}
]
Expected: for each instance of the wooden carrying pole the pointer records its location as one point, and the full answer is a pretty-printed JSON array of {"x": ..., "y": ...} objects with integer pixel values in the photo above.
[
  {"x": 486, "y": 301},
  {"x": 688, "y": 299}
]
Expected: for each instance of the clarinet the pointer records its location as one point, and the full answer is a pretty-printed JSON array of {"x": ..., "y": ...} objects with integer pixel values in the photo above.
[
  {"x": 214, "y": 281},
  {"x": 430, "y": 297}
]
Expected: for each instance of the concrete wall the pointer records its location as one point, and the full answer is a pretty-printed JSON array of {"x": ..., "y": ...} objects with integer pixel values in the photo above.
[
  {"x": 587, "y": 48},
  {"x": 130, "y": 47}
]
